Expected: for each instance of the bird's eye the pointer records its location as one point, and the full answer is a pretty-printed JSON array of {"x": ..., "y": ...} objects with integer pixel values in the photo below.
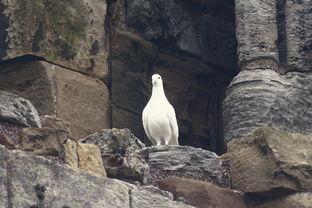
[{"x": 158, "y": 77}]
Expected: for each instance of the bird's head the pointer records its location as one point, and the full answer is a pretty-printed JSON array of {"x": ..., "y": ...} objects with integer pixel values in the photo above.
[{"x": 156, "y": 80}]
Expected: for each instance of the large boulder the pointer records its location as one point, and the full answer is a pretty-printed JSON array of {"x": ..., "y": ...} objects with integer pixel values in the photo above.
[
  {"x": 18, "y": 110},
  {"x": 30, "y": 181},
  {"x": 271, "y": 162},
  {"x": 167, "y": 160},
  {"x": 79, "y": 100},
  {"x": 69, "y": 33},
  {"x": 265, "y": 98},
  {"x": 202, "y": 194},
  {"x": 121, "y": 154},
  {"x": 297, "y": 200}
]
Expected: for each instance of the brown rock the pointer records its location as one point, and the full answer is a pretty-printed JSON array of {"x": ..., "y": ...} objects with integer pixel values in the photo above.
[
  {"x": 42, "y": 141},
  {"x": 83, "y": 102},
  {"x": 80, "y": 100},
  {"x": 298, "y": 200},
  {"x": 70, "y": 151},
  {"x": 84, "y": 156},
  {"x": 271, "y": 162},
  {"x": 6, "y": 141},
  {"x": 55, "y": 123},
  {"x": 202, "y": 194},
  {"x": 90, "y": 158}
]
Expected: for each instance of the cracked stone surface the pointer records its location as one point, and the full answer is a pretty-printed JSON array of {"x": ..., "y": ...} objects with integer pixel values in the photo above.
[{"x": 31, "y": 181}]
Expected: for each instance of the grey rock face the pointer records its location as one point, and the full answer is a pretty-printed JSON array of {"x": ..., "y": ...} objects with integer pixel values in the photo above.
[
  {"x": 256, "y": 31},
  {"x": 196, "y": 162},
  {"x": 185, "y": 26},
  {"x": 264, "y": 98},
  {"x": 163, "y": 20},
  {"x": 120, "y": 151},
  {"x": 34, "y": 181},
  {"x": 18, "y": 110},
  {"x": 299, "y": 34}
]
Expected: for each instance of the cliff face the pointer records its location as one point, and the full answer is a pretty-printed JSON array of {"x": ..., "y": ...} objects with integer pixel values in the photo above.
[
  {"x": 69, "y": 69},
  {"x": 273, "y": 88}
]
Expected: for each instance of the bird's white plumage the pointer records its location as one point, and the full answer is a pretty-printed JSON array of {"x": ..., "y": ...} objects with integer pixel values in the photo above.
[{"x": 159, "y": 118}]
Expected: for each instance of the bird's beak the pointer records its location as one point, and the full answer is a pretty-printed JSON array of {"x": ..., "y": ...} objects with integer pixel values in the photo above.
[{"x": 154, "y": 81}]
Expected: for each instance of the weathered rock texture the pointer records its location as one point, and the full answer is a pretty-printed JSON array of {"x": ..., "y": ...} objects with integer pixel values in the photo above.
[
  {"x": 264, "y": 98},
  {"x": 202, "y": 194},
  {"x": 298, "y": 200},
  {"x": 186, "y": 44},
  {"x": 274, "y": 34},
  {"x": 184, "y": 161},
  {"x": 18, "y": 110},
  {"x": 256, "y": 33},
  {"x": 184, "y": 27},
  {"x": 42, "y": 141},
  {"x": 31, "y": 181},
  {"x": 271, "y": 162},
  {"x": 299, "y": 34},
  {"x": 55, "y": 123},
  {"x": 69, "y": 33},
  {"x": 7, "y": 141},
  {"x": 85, "y": 156},
  {"x": 80, "y": 100},
  {"x": 10, "y": 130},
  {"x": 121, "y": 155}
]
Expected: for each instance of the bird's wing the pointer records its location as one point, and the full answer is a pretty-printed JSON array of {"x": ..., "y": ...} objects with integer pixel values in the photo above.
[
  {"x": 145, "y": 124},
  {"x": 173, "y": 125}
]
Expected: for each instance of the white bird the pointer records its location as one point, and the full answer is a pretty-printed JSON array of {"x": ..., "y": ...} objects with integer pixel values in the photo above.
[{"x": 159, "y": 118}]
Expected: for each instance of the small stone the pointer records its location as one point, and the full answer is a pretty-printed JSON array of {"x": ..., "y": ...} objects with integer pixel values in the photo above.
[
  {"x": 6, "y": 141},
  {"x": 18, "y": 110}
]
